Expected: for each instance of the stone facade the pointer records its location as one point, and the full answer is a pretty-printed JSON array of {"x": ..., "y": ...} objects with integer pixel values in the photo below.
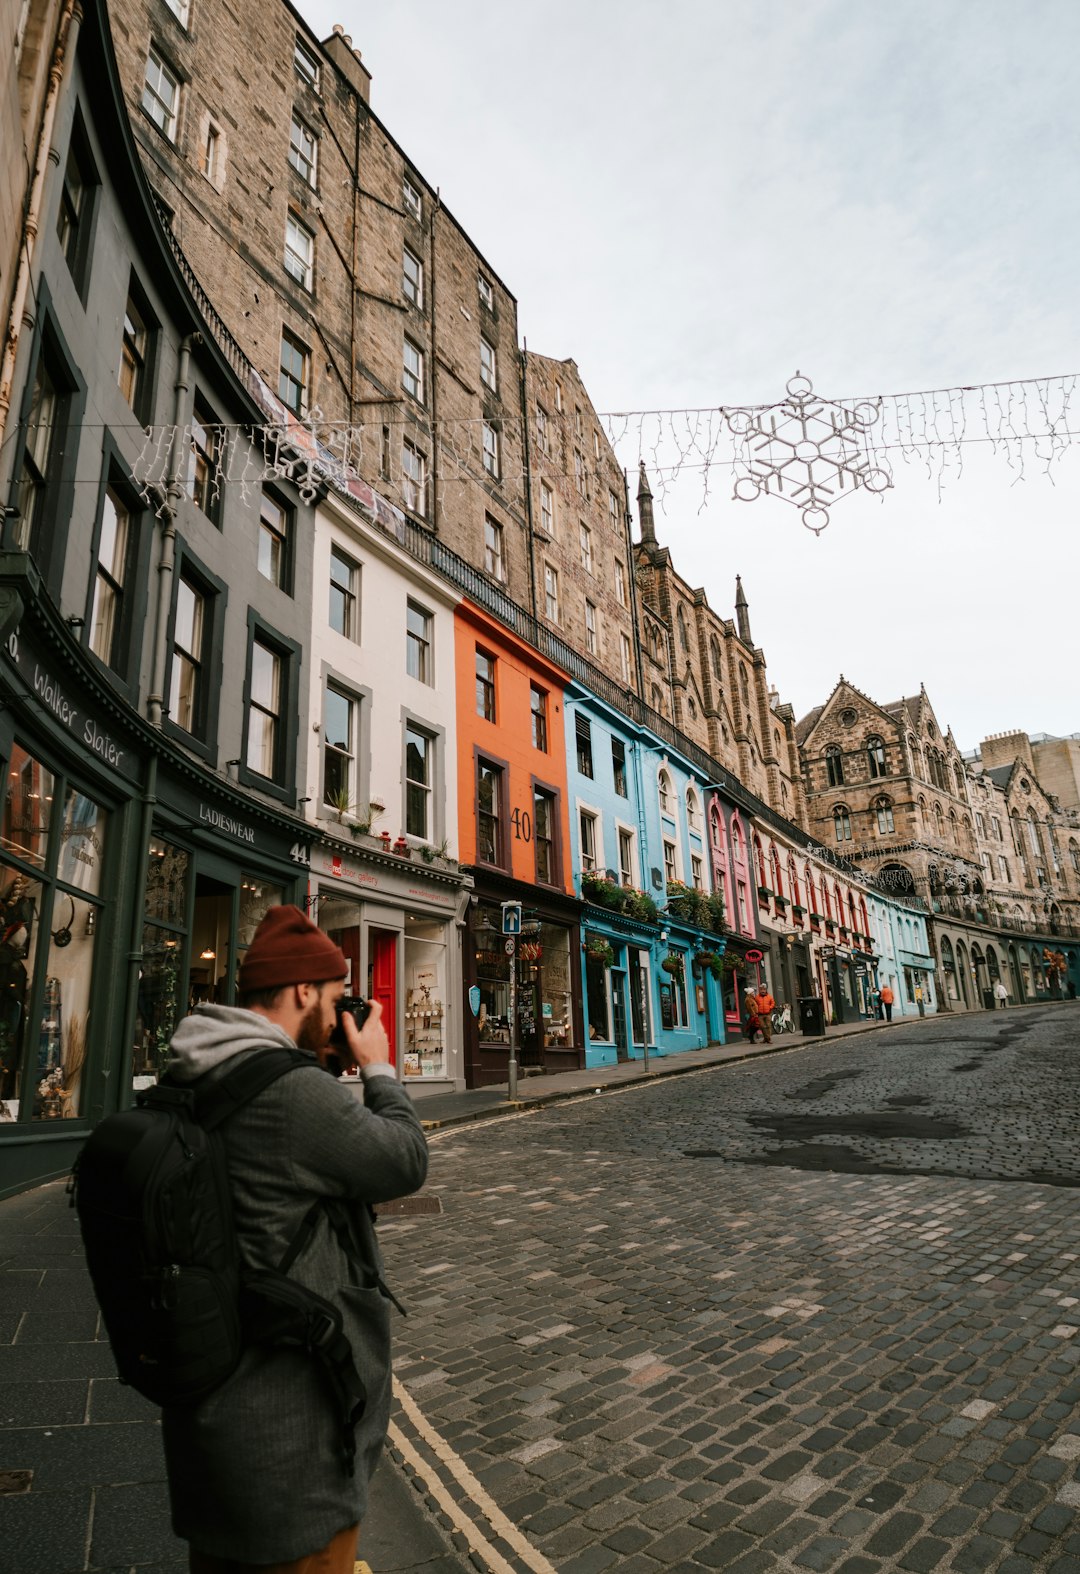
[
  {"x": 983, "y": 845},
  {"x": 713, "y": 677},
  {"x": 326, "y": 251},
  {"x": 580, "y": 522}
]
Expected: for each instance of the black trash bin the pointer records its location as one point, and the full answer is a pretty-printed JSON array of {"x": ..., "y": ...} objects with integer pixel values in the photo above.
[
  {"x": 812, "y": 1014},
  {"x": 988, "y": 999}
]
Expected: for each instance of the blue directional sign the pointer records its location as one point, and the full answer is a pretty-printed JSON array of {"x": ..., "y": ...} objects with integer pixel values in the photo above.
[{"x": 511, "y": 918}]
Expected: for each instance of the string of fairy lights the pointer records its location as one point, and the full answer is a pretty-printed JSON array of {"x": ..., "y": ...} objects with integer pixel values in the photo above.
[{"x": 804, "y": 450}]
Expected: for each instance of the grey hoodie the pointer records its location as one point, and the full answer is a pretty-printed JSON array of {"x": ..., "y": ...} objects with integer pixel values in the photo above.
[{"x": 255, "y": 1470}]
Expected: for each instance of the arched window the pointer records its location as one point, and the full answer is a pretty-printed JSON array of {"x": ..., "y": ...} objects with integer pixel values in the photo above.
[
  {"x": 793, "y": 880},
  {"x": 776, "y": 741},
  {"x": 875, "y": 755},
  {"x": 744, "y": 687},
  {"x": 834, "y": 766},
  {"x": 811, "y": 889},
  {"x": 939, "y": 820},
  {"x": 663, "y": 786},
  {"x": 825, "y": 897},
  {"x": 851, "y": 909},
  {"x": 778, "y": 880},
  {"x": 885, "y": 823},
  {"x": 680, "y": 619},
  {"x": 759, "y": 859},
  {"x": 842, "y": 823},
  {"x": 958, "y": 777},
  {"x": 923, "y": 822},
  {"x": 738, "y": 849},
  {"x": 783, "y": 791},
  {"x": 1033, "y": 834},
  {"x": 1003, "y": 869},
  {"x": 839, "y": 901},
  {"x": 954, "y": 829},
  {"x": 916, "y": 757},
  {"x": 656, "y": 699},
  {"x": 865, "y": 919},
  {"x": 714, "y": 653},
  {"x": 693, "y": 810},
  {"x": 691, "y": 708},
  {"x": 1074, "y": 856}
]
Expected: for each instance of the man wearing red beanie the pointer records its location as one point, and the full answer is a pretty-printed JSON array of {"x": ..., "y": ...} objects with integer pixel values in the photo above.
[{"x": 256, "y": 1475}]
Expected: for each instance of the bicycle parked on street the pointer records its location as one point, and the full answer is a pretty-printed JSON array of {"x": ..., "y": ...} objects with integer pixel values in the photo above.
[{"x": 782, "y": 1021}]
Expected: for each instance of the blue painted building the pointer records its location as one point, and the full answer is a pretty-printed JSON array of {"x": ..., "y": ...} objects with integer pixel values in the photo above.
[
  {"x": 642, "y": 865},
  {"x": 904, "y": 959}
]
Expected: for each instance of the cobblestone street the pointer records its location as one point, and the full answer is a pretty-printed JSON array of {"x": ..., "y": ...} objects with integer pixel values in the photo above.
[{"x": 818, "y": 1311}]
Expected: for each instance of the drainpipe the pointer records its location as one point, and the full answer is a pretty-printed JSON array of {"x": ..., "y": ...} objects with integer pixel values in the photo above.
[
  {"x": 631, "y": 571},
  {"x": 436, "y": 495},
  {"x": 167, "y": 565},
  {"x": 523, "y": 361},
  {"x": 67, "y": 38}
]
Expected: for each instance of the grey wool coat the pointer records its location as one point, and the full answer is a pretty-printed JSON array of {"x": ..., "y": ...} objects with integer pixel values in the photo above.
[{"x": 255, "y": 1470}]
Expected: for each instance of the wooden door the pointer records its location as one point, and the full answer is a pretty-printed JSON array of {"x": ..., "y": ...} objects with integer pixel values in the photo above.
[{"x": 382, "y": 980}]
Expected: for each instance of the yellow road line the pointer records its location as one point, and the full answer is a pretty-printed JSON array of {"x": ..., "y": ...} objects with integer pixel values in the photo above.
[{"x": 503, "y": 1526}]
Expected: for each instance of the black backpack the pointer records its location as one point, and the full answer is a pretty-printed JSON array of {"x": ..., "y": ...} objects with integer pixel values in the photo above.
[{"x": 151, "y": 1188}]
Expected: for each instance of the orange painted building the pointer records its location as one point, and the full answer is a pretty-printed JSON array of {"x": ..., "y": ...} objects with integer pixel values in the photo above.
[{"x": 514, "y": 837}]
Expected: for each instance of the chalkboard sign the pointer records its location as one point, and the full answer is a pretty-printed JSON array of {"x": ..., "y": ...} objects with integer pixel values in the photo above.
[{"x": 667, "y": 1007}]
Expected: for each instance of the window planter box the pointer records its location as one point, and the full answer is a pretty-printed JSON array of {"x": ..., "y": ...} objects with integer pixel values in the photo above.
[{"x": 763, "y": 895}]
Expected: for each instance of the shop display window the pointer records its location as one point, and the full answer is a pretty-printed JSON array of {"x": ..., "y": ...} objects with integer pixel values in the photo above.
[
  {"x": 50, "y": 869},
  {"x": 161, "y": 997},
  {"x": 596, "y": 994},
  {"x": 492, "y": 978},
  {"x": 425, "y": 996}
]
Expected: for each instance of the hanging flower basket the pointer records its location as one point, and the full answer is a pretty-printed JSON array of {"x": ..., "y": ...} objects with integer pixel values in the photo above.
[
  {"x": 712, "y": 961},
  {"x": 673, "y": 964},
  {"x": 598, "y": 950}
]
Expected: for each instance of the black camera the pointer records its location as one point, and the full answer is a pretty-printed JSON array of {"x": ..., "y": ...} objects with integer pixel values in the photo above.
[{"x": 358, "y": 1008}]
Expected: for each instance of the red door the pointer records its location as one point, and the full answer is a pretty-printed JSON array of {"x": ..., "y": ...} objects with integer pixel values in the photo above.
[{"x": 382, "y": 980}]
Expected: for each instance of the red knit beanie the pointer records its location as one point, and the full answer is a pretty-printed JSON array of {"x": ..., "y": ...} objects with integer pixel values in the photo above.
[{"x": 289, "y": 949}]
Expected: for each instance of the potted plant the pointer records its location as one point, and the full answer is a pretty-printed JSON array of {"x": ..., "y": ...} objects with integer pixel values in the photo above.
[
  {"x": 673, "y": 964},
  {"x": 712, "y": 961}
]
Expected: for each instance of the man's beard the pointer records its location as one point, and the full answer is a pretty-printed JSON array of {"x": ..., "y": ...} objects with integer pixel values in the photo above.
[{"x": 312, "y": 1035}]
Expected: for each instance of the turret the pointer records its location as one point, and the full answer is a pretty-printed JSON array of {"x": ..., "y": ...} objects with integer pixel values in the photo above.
[
  {"x": 645, "y": 513},
  {"x": 742, "y": 612}
]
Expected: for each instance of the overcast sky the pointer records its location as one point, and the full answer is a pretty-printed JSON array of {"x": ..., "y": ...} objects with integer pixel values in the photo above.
[{"x": 694, "y": 200}]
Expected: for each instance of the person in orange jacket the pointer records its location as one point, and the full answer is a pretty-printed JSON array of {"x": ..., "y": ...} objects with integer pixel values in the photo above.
[
  {"x": 766, "y": 1005},
  {"x": 887, "y": 998}
]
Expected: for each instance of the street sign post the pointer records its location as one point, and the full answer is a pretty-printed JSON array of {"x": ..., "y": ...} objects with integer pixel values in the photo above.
[{"x": 511, "y": 918}]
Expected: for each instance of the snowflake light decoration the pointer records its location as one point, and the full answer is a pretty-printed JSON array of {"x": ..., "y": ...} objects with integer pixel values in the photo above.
[{"x": 807, "y": 451}]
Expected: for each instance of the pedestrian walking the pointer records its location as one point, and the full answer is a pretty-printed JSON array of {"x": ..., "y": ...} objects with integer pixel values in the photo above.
[
  {"x": 753, "y": 1015},
  {"x": 1001, "y": 995},
  {"x": 766, "y": 1007},
  {"x": 887, "y": 1002},
  {"x": 258, "y": 1476}
]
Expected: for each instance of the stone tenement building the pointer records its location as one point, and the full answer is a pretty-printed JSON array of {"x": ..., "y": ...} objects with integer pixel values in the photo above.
[
  {"x": 716, "y": 675},
  {"x": 345, "y": 280},
  {"x": 985, "y": 846}
]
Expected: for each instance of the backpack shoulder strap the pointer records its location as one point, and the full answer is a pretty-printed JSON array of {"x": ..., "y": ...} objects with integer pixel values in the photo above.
[{"x": 231, "y": 1089}]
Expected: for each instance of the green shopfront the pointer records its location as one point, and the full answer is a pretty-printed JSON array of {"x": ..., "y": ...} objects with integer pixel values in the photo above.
[{"x": 130, "y": 883}]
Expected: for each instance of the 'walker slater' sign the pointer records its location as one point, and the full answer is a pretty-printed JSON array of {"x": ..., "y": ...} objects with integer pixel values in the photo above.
[{"x": 55, "y": 696}]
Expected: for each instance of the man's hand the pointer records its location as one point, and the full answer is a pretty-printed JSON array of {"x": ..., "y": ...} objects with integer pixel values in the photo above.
[{"x": 368, "y": 1045}]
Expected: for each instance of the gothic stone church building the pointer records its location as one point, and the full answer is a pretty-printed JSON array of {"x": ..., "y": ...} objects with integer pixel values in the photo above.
[{"x": 887, "y": 786}]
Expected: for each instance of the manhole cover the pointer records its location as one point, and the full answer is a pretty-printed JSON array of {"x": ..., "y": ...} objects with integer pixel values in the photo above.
[
  {"x": 397, "y": 1206},
  {"x": 15, "y": 1481}
]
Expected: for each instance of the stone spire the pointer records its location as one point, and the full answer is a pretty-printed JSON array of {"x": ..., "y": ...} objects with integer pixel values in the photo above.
[
  {"x": 742, "y": 612},
  {"x": 645, "y": 513}
]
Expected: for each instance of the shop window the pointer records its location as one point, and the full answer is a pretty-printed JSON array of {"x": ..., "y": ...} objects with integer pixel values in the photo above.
[
  {"x": 596, "y": 997},
  {"x": 618, "y": 766},
  {"x": 344, "y": 594},
  {"x": 545, "y": 809},
  {"x": 160, "y": 1001},
  {"x": 425, "y": 994},
  {"x": 492, "y": 979},
  {"x": 419, "y": 758},
  {"x": 489, "y": 812},
  {"x": 275, "y": 541},
  {"x": 538, "y": 706},
  {"x": 53, "y": 841},
  {"x": 583, "y": 737}
]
